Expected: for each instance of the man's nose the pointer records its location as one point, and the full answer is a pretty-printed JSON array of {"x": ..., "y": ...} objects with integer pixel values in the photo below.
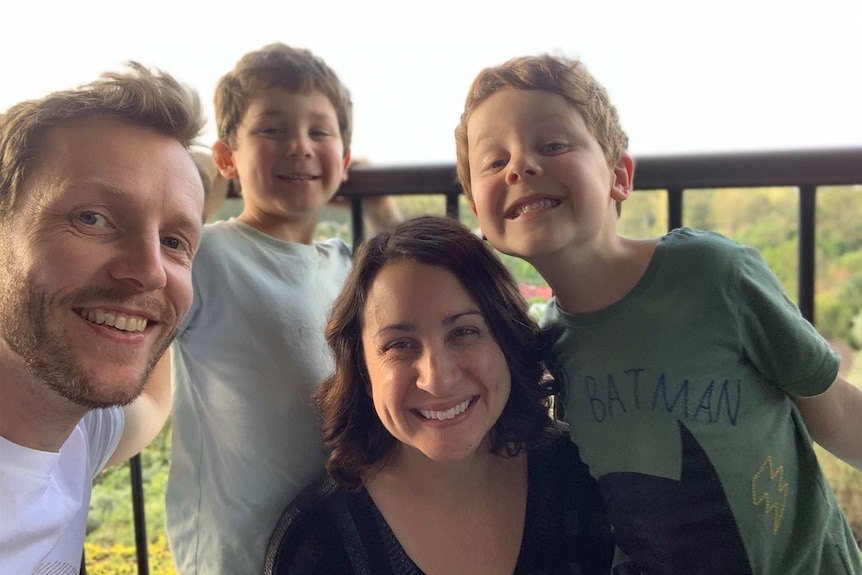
[{"x": 141, "y": 264}]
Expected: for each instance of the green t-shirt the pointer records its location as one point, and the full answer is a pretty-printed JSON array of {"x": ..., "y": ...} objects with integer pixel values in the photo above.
[{"x": 677, "y": 398}]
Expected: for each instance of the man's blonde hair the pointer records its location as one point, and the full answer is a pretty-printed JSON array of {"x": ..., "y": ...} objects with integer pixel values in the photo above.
[{"x": 152, "y": 99}]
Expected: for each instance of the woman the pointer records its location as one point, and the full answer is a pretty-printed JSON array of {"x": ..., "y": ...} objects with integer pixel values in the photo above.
[{"x": 444, "y": 456}]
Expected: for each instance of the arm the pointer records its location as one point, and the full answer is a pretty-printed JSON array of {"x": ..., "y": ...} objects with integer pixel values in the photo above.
[
  {"x": 382, "y": 213},
  {"x": 146, "y": 415},
  {"x": 834, "y": 419}
]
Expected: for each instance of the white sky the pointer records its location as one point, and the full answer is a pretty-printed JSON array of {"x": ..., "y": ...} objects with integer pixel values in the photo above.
[{"x": 686, "y": 77}]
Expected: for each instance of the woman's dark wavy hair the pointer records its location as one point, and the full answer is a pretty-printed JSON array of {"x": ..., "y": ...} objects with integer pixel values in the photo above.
[{"x": 351, "y": 427}]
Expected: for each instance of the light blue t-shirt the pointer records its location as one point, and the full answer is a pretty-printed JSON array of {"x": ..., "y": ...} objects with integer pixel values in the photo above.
[{"x": 246, "y": 435}]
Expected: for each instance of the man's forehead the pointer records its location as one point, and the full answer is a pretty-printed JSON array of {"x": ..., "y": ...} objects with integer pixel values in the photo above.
[{"x": 115, "y": 158}]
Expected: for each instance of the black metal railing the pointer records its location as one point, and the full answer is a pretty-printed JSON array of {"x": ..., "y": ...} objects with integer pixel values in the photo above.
[{"x": 806, "y": 170}]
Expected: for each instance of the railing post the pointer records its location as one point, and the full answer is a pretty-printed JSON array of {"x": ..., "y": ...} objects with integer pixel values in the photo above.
[
  {"x": 357, "y": 220},
  {"x": 807, "y": 238},
  {"x": 674, "y": 208},
  {"x": 452, "y": 209},
  {"x": 140, "y": 519}
]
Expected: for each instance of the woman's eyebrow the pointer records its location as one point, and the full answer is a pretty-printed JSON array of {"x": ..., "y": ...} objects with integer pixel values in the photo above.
[
  {"x": 408, "y": 326},
  {"x": 450, "y": 319}
]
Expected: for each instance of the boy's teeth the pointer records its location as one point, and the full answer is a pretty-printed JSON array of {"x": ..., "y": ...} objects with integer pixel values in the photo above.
[
  {"x": 448, "y": 414},
  {"x": 120, "y": 322},
  {"x": 539, "y": 204}
]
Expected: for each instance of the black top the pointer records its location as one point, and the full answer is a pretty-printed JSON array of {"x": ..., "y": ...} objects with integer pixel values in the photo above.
[{"x": 328, "y": 530}]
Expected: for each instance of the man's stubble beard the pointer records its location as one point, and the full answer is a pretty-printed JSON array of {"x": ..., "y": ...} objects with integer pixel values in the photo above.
[{"x": 26, "y": 328}]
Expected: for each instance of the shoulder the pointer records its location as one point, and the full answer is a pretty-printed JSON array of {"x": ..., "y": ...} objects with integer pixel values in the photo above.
[
  {"x": 229, "y": 247},
  {"x": 334, "y": 247},
  {"x": 102, "y": 430},
  {"x": 699, "y": 243},
  {"x": 219, "y": 231},
  {"x": 705, "y": 257},
  {"x": 558, "y": 455},
  {"x": 305, "y": 508},
  {"x": 218, "y": 239},
  {"x": 713, "y": 256},
  {"x": 556, "y": 469},
  {"x": 306, "y": 537},
  {"x": 557, "y": 462}
]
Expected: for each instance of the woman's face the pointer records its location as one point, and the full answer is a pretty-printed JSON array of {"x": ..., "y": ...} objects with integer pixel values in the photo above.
[{"x": 438, "y": 378}]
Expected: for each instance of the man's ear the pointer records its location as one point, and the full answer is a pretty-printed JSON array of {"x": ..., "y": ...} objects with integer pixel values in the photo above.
[
  {"x": 346, "y": 166},
  {"x": 623, "y": 178},
  {"x": 223, "y": 156}
]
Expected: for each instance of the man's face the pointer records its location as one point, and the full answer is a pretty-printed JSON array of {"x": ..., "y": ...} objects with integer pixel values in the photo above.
[{"x": 97, "y": 259}]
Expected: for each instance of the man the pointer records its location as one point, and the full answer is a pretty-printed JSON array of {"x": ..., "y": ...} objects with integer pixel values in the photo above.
[{"x": 100, "y": 215}]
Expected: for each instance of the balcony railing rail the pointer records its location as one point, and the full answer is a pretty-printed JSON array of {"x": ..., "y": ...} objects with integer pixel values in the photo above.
[{"x": 806, "y": 170}]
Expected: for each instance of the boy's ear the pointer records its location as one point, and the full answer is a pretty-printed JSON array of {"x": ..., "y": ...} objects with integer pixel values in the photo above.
[
  {"x": 473, "y": 207},
  {"x": 223, "y": 156},
  {"x": 623, "y": 178},
  {"x": 344, "y": 173}
]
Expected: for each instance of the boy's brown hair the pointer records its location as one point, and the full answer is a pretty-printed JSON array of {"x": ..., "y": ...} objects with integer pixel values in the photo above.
[
  {"x": 568, "y": 78},
  {"x": 152, "y": 99},
  {"x": 278, "y": 66}
]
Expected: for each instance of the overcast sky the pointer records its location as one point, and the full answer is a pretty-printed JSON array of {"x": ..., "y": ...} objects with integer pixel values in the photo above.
[{"x": 687, "y": 77}]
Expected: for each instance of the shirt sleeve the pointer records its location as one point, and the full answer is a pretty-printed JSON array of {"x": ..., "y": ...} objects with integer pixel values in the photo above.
[
  {"x": 780, "y": 343},
  {"x": 103, "y": 429}
]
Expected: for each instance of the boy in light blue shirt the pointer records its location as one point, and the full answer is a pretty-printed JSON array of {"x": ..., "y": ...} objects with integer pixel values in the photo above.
[{"x": 246, "y": 437}]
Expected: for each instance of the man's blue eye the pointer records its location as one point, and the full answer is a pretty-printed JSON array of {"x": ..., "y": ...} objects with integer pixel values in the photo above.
[{"x": 92, "y": 219}]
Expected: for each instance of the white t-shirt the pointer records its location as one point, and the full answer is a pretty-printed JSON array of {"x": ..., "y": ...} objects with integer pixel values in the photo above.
[{"x": 44, "y": 496}]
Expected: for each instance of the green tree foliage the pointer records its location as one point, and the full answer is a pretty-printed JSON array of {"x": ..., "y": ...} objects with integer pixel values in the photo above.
[
  {"x": 839, "y": 261},
  {"x": 856, "y": 333},
  {"x": 644, "y": 215}
]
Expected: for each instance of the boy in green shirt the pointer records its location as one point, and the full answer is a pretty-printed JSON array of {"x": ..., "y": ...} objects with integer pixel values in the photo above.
[{"x": 682, "y": 359}]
